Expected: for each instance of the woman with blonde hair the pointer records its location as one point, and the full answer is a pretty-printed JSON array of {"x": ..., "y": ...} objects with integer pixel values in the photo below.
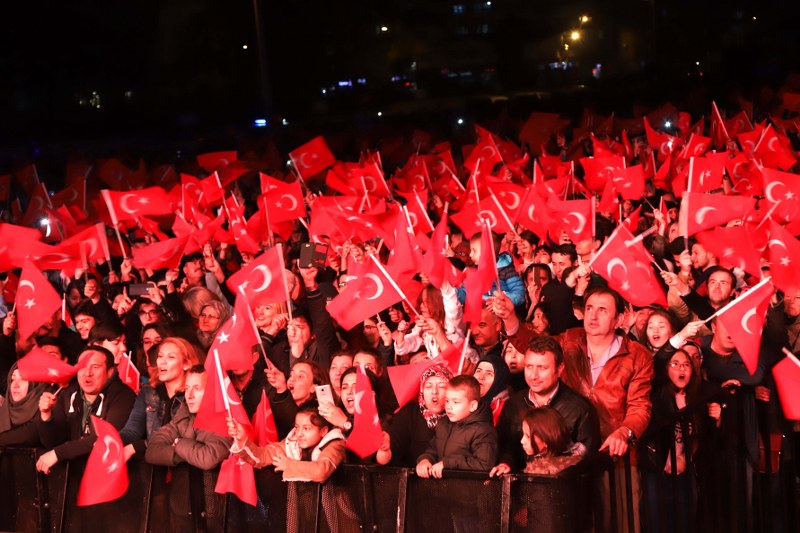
[{"x": 158, "y": 402}]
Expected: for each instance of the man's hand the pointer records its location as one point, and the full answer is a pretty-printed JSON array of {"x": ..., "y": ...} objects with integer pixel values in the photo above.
[
  {"x": 10, "y": 324},
  {"x": 46, "y": 461},
  {"x": 502, "y": 306},
  {"x": 424, "y": 468},
  {"x": 437, "y": 469},
  {"x": 309, "y": 276},
  {"x": 762, "y": 393},
  {"x": 276, "y": 378},
  {"x": 236, "y": 430},
  {"x": 499, "y": 470},
  {"x": 715, "y": 412},
  {"x": 616, "y": 443}
]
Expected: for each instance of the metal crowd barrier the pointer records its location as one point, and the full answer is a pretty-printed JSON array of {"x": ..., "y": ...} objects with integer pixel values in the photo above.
[{"x": 355, "y": 499}]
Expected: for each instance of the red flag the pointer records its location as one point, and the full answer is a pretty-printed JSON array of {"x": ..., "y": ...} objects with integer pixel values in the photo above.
[
  {"x": 744, "y": 320},
  {"x": 435, "y": 263},
  {"x": 774, "y": 150},
  {"x": 718, "y": 131},
  {"x": 661, "y": 143},
  {"x": 744, "y": 174},
  {"x": 705, "y": 173},
  {"x": 17, "y": 243},
  {"x": 405, "y": 379},
  {"x": 406, "y": 255},
  {"x": 106, "y": 476},
  {"x": 129, "y": 205},
  {"x": 452, "y": 356},
  {"x": 92, "y": 241},
  {"x": 732, "y": 246},
  {"x": 312, "y": 157},
  {"x": 235, "y": 338},
  {"x": 42, "y": 367},
  {"x": 262, "y": 280},
  {"x": 128, "y": 373},
  {"x": 367, "y": 435},
  {"x": 215, "y": 161},
  {"x": 787, "y": 380},
  {"x": 598, "y": 170},
  {"x": 284, "y": 204},
  {"x": 782, "y": 191},
  {"x": 784, "y": 256},
  {"x": 264, "y": 426},
  {"x": 36, "y": 300},
  {"x": 705, "y": 211},
  {"x": 696, "y": 146},
  {"x": 213, "y": 412},
  {"x": 164, "y": 254},
  {"x": 626, "y": 267},
  {"x": 479, "y": 280},
  {"x": 534, "y": 215},
  {"x": 368, "y": 295},
  {"x": 631, "y": 184},
  {"x": 470, "y": 218},
  {"x": 576, "y": 217},
  {"x": 39, "y": 202},
  {"x": 238, "y": 478}
]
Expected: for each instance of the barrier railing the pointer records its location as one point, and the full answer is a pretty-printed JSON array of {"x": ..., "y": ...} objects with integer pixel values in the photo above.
[{"x": 356, "y": 498}]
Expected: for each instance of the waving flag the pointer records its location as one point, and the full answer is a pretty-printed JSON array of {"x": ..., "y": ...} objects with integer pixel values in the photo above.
[
  {"x": 40, "y": 366},
  {"x": 787, "y": 379},
  {"x": 263, "y": 422},
  {"x": 106, "y": 476},
  {"x": 262, "y": 280},
  {"x": 371, "y": 293},
  {"x": 367, "y": 435},
  {"x": 744, "y": 320},
  {"x": 36, "y": 300},
  {"x": 237, "y": 477},
  {"x": 312, "y": 158}
]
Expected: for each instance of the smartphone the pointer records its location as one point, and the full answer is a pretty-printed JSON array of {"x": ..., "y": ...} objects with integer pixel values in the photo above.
[
  {"x": 313, "y": 255},
  {"x": 138, "y": 289},
  {"x": 324, "y": 394}
]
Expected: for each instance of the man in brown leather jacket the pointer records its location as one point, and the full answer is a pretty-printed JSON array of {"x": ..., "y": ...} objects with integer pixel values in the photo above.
[{"x": 615, "y": 374}]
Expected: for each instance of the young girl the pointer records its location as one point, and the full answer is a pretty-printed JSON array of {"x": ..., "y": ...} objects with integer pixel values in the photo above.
[
  {"x": 440, "y": 325},
  {"x": 546, "y": 441},
  {"x": 311, "y": 452}
]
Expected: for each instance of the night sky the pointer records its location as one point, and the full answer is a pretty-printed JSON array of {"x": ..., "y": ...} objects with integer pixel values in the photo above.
[{"x": 98, "y": 70}]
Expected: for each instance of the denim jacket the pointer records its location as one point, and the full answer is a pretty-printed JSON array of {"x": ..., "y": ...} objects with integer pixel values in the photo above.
[{"x": 147, "y": 415}]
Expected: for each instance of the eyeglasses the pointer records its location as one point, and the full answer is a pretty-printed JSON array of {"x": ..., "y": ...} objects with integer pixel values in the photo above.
[
  {"x": 680, "y": 366},
  {"x": 151, "y": 312},
  {"x": 209, "y": 317}
]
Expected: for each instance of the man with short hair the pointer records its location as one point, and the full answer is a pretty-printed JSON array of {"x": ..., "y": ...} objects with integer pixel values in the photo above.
[
  {"x": 556, "y": 293},
  {"x": 64, "y": 423},
  {"x": 615, "y": 374},
  {"x": 544, "y": 363},
  {"x": 720, "y": 285}
]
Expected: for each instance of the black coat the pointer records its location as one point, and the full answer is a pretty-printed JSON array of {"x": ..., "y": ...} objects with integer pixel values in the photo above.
[{"x": 469, "y": 444}]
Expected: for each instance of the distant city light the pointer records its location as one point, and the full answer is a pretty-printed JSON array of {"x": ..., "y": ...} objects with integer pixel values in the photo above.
[
  {"x": 384, "y": 28},
  {"x": 260, "y": 123},
  {"x": 754, "y": 18},
  {"x": 584, "y": 19},
  {"x": 244, "y": 47},
  {"x": 488, "y": 4},
  {"x": 324, "y": 91},
  {"x": 667, "y": 124},
  {"x": 697, "y": 63},
  {"x": 575, "y": 35},
  {"x": 284, "y": 122},
  {"x": 460, "y": 121},
  {"x": 380, "y": 113}
]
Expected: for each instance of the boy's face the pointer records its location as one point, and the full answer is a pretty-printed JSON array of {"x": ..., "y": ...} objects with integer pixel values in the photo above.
[
  {"x": 457, "y": 404},
  {"x": 475, "y": 251}
]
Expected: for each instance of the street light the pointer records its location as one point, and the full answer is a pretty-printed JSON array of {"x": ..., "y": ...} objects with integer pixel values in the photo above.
[
  {"x": 584, "y": 19},
  {"x": 575, "y": 35}
]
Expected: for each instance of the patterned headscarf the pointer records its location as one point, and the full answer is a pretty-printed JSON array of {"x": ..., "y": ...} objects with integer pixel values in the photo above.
[{"x": 440, "y": 371}]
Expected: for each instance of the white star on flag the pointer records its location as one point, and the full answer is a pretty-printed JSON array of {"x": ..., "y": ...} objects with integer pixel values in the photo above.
[
  {"x": 30, "y": 302},
  {"x": 222, "y": 337}
]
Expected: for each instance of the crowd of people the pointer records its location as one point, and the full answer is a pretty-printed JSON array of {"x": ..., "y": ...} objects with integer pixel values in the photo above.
[{"x": 555, "y": 366}]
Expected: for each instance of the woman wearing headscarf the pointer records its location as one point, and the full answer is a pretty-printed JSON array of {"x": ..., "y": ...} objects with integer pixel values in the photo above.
[
  {"x": 415, "y": 424},
  {"x": 493, "y": 375},
  {"x": 19, "y": 411}
]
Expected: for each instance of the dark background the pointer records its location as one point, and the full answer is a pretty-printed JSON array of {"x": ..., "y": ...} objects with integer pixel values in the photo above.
[{"x": 161, "y": 72}]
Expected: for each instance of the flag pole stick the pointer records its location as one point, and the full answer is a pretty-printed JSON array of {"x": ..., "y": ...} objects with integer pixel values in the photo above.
[
  {"x": 394, "y": 284},
  {"x": 491, "y": 251},
  {"x": 790, "y": 355},
  {"x": 114, "y": 220},
  {"x": 252, "y": 321},
  {"x": 225, "y": 399},
  {"x": 285, "y": 282}
]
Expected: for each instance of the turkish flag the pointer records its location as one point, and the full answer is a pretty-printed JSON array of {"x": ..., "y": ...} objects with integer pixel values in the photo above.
[
  {"x": 718, "y": 131},
  {"x": 732, "y": 246},
  {"x": 484, "y": 155},
  {"x": 661, "y": 143},
  {"x": 405, "y": 379},
  {"x": 452, "y": 356},
  {"x": 744, "y": 174},
  {"x": 214, "y": 161},
  {"x": 782, "y": 191},
  {"x": 479, "y": 280},
  {"x": 42, "y": 367},
  {"x": 774, "y": 150},
  {"x": 264, "y": 428},
  {"x": 213, "y": 412},
  {"x": 784, "y": 257},
  {"x": 284, "y": 203},
  {"x": 164, "y": 254},
  {"x": 510, "y": 195},
  {"x": 598, "y": 170},
  {"x": 106, "y": 476},
  {"x": 538, "y": 129},
  {"x": 236, "y": 337},
  {"x": 359, "y": 178},
  {"x": 367, "y": 435},
  {"x": 406, "y": 255},
  {"x": 417, "y": 211},
  {"x": 534, "y": 214},
  {"x": 238, "y": 478},
  {"x": 787, "y": 380},
  {"x": 631, "y": 184},
  {"x": 626, "y": 267},
  {"x": 744, "y": 319},
  {"x": 575, "y": 217},
  {"x": 364, "y": 297},
  {"x": 609, "y": 202},
  {"x": 435, "y": 262},
  {"x": 17, "y": 243},
  {"x": 470, "y": 218},
  {"x": 705, "y": 173},
  {"x": 700, "y": 211},
  {"x": 36, "y": 300},
  {"x": 128, "y": 373},
  {"x": 131, "y": 204},
  {"x": 312, "y": 158},
  {"x": 39, "y": 202},
  {"x": 65, "y": 257},
  {"x": 262, "y": 280},
  {"x": 72, "y": 195}
]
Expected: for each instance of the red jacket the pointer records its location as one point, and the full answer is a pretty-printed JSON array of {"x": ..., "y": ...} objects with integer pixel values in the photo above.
[{"x": 622, "y": 392}]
